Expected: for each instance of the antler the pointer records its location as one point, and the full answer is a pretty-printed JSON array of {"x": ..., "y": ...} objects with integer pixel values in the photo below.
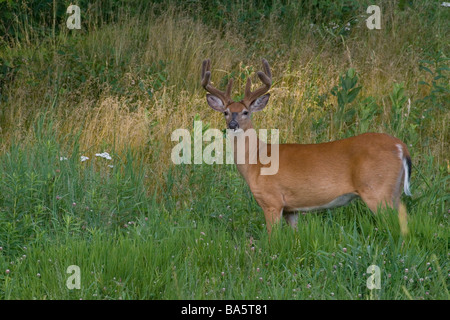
[
  {"x": 206, "y": 77},
  {"x": 266, "y": 79}
]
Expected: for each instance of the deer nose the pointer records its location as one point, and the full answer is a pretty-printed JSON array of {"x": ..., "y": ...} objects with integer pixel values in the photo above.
[{"x": 233, "y": 125}]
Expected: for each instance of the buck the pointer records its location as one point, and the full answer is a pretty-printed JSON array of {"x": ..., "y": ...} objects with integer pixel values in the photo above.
[{"x": 370, "y": 166}]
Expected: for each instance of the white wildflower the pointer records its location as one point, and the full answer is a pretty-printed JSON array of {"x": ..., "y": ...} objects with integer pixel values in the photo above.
[
  {"x": 62, "y": 158},
  {"x": 84, "y": 158},
  {"x": 104, "y": 155}
]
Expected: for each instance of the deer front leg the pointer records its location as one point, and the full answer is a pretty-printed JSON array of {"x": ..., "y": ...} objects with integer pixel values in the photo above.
[{"x": 272, "y": 215}]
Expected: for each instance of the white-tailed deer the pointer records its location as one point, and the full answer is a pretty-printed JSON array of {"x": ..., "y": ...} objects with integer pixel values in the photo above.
[{"x": 371, "y": 166}]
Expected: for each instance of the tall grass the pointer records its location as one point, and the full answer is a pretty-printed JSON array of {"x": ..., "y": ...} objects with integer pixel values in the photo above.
[
  {"x": 210, "y": 243},
  {"x": 140, "y": 227}
]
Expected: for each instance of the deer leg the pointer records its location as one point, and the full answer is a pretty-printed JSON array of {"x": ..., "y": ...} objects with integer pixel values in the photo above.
[
  {"x": 272, "y": 215},
  {"x": 374, "y": 203}
]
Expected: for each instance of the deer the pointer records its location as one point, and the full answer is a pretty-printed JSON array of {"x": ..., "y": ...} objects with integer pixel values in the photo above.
[{"x": 310, "y": 177}]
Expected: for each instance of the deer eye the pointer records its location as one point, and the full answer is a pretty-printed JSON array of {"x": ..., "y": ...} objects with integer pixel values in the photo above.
[
  {"x": 245, "y": 113},
  {"x": 226, "y": 113}
]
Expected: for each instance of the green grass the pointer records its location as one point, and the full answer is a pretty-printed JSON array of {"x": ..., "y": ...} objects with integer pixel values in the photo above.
[{"x": 133, "y": 245}]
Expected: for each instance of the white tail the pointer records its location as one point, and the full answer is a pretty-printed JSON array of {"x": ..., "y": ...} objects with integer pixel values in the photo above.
[{"x": 407, "y": 172}]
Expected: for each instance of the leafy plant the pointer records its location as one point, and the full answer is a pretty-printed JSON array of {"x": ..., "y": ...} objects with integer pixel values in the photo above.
[
  {"x": 346, "y": 93},
  {"x": 368, "y": 109},
  {"x": 438, "y": 68},
  {"x": 398, "y": 112}
]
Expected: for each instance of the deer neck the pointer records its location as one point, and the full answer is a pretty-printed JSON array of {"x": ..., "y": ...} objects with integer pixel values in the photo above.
[{"x": 246, "y": 153}]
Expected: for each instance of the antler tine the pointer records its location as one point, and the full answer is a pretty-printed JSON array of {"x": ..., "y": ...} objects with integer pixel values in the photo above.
[
  {"x": 225, "y": 96},
  {"x": 266, "y": 79},
  {"x": 267, "y": 69},
  {"x": 206, "y": 73}
]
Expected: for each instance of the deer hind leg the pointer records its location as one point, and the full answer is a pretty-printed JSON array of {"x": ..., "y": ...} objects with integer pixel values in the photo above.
[
  {"x": 377, "y": 201},
  {"x": 387, "y": 195},
  {"x": 380, "y": 186},
  {"x": 375, "y": 204}
]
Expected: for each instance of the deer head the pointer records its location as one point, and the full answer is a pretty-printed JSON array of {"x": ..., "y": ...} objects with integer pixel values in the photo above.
[{"x": 237, "y": 113}]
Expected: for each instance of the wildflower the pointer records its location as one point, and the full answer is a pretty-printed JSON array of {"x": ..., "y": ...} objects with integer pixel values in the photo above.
[
  {"x": 38, "y": 275},
  {"x": 222, "y": 273},
  {"x": 308, "y": 286},
  {"x": 58, "y": 198},
  {"x": 104, "y": 155},
  {"x": 74, "y": 204},
  {"x": 406, "y": 270},
  {"x": 7, "y": 271},
  {"x": 344, "y": 249},
  {"x": 83, "y": 158},
  {"x": 62, "y": 158}
]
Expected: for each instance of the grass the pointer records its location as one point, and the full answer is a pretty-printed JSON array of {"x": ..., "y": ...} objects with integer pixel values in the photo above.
[
  {"x": 133, "y": 245},
  {"x": 140, "y": 227}
]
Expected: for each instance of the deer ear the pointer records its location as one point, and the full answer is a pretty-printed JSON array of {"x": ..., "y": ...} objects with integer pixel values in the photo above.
[
  {"x": 259, "y": 103},
  {"x": 215, "y": 103}
]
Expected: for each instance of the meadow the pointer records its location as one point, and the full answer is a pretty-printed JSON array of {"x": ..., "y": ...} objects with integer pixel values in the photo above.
[{"x": 86, "y": 176}]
